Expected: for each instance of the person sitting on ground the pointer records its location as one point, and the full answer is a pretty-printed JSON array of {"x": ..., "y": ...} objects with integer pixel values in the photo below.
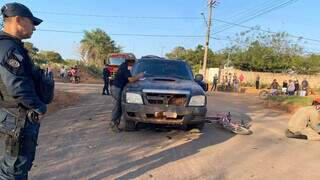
[
  {"x": 305, "y": 123},
  {"x": 274, "y": 87},
  {"x": 304, "y": 87},
  {"x": 285, "y": 86},
  {"x": 296, "y": 86},
  {"x": 291, "y": 88}
]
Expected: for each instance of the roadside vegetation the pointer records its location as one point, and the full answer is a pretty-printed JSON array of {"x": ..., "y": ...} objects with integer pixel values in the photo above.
[
  {"x": 252, "y": 50},
  {"x": 94, "y": 49},
  {"x": 292, "y": 100},
  {"x": 256, "y": 50}
]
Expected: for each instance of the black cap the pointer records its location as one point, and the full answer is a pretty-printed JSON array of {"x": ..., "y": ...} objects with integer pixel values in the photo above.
[{"x": 17, "y": 9}]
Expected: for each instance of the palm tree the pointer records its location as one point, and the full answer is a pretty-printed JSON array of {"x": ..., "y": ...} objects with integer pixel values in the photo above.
[{"x": 95, "y": 47}]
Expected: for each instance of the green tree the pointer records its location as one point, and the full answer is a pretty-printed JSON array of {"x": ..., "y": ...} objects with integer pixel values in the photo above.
[
  {"x": 178, "y": 52},
  {"x": 50, "y": 56},
  {"x": 32, "y": 50},
  {"x": 95, "y": 47},
  {"x": 261, "y": 51},
  {"x": 307, "y": 65},
  {"x": 194, "y": 57}
]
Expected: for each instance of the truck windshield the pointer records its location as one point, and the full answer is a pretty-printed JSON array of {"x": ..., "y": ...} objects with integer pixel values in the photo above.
[
  {"x": 163, "y": 68},
  {"x": 116, "y": 61}
]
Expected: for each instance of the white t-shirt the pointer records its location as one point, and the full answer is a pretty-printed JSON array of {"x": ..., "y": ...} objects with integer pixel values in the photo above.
[
  {"x": 291, "y": 87},
  {"x": 62, "y": 71}
]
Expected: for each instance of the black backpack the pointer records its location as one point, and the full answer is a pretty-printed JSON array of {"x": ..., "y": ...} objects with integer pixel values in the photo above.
[{"x": 44, "y": 86}]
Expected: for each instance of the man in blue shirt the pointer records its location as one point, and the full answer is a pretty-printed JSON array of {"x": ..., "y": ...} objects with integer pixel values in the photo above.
[
  {"x": 120, "y": 81},
  {"x": 17, "y": 76}
]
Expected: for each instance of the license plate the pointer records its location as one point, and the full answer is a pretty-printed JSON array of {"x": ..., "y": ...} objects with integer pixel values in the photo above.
[
  {"x": 166, "y": 115},
  {"x": 170, "y": 114}
]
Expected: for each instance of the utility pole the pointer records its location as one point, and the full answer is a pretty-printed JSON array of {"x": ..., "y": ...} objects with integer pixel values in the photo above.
[{"x": 211, "y": 3}]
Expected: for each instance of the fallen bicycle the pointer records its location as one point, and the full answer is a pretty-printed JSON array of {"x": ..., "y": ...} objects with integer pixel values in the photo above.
[{"x": 225, "y": 121}]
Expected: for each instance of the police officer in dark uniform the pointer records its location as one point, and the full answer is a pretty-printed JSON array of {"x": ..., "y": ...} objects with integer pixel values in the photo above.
[
  {"x": 121, "y": 79},
  {"x": 106, "y": 80},
  {"x": 16, "y": 71}
]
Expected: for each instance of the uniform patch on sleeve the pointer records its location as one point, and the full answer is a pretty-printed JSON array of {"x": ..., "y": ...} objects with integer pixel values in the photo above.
[{"x": 13, "y": 63}]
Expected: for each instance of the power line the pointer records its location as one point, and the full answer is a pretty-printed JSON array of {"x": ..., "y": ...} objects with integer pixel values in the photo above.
[
  {"x": 145, "y": 35},
  {"x": 134, "y": 34},
  {"x": 214, "y": 19},
  {"x": 177, "y": 17},
  {"x": 260, "y": 14},
  {"x": 249, "y": 12},
  {"x": 267, "y": 31},
  {"x": 120, "y": 17}
]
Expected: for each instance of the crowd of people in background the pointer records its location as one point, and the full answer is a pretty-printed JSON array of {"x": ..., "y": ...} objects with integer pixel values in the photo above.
[
  {"x": 71, "y": 74},
  {"x": 229, "y": 82},
  {"x": 291, "y": 87},
  {"x": 232, "y": 83}
]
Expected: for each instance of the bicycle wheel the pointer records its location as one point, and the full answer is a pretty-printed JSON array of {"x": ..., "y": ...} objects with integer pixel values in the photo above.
[
  {"x": 238, "y": 130},
  {"x": 263, "y": 94},
  {"x": 242, "y": 131}
]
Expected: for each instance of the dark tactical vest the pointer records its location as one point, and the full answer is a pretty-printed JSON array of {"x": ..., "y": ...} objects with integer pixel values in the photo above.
[
  {"x": 4, "y": 95},
  {"x": 44, "y": 86},
  {"x": 12, "y": 118}
]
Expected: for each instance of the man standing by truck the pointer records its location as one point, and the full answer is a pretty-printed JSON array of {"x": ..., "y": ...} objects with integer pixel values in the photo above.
[{"x": 120, "y": 81}]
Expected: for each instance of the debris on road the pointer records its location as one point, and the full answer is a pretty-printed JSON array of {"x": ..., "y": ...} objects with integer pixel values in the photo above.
[{"x": 91, "y": 147}]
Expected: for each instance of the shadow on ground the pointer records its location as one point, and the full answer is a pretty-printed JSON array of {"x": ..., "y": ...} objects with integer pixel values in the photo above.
[{"x": 209, "y": 137}]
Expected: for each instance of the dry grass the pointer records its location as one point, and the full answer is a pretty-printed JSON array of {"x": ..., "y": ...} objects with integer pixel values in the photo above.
[
  {"x": 288, "y": 103},
  {"x": 62, "y": 100}
]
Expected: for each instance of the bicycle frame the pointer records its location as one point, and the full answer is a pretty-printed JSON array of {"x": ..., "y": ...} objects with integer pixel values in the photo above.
[{"x": 224, "y": 119}]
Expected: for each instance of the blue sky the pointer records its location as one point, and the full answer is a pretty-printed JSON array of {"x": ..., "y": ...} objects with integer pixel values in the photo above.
[{"x": 299, "y": 18}]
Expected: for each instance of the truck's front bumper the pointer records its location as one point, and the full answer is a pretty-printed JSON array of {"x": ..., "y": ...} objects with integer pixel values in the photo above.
[{"x": 149, "y": 114}]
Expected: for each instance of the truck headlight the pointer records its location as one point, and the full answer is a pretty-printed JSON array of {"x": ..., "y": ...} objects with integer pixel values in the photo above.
[
  {"x": 197, "y": 101},
  {"x": 133, "y": 98}
]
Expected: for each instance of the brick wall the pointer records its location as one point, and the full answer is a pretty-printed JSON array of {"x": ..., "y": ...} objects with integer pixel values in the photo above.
[{"x": 266, "y": 78}]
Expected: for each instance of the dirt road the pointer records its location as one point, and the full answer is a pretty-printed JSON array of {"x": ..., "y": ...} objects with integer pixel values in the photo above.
[{"x": 74, "y": 143}]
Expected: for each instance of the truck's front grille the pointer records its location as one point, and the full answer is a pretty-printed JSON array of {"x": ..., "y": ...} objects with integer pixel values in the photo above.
[{"x": 166, "y": 99}]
